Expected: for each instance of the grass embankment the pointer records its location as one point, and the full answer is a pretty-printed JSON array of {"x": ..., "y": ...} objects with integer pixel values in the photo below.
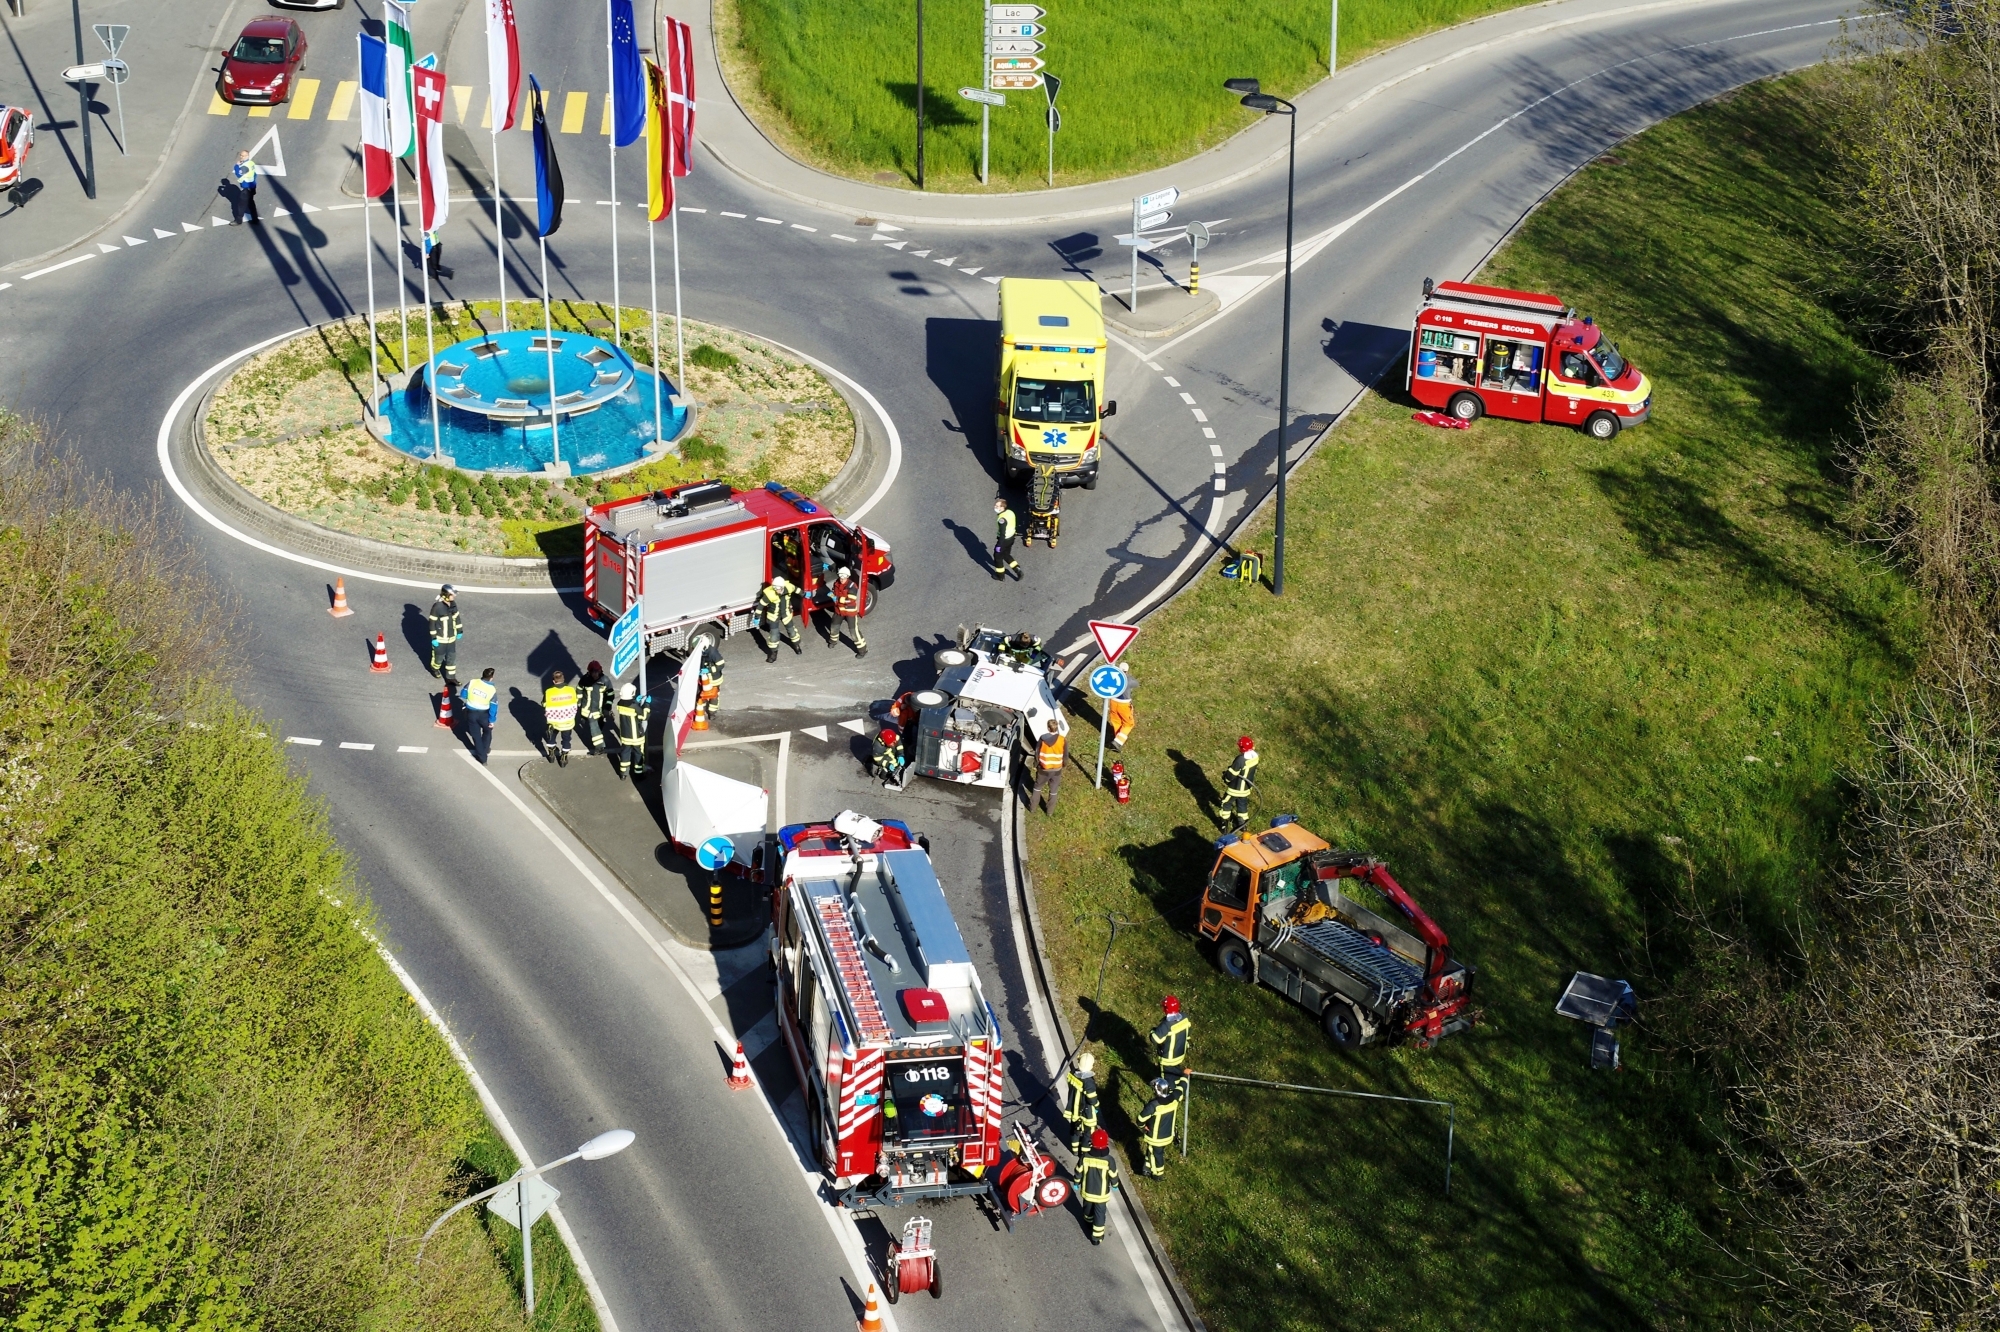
[
  {"x": 1555, "y": 685},
  {"x": 218, "y": 1108},
  {"x": 287, "y": 426},
  {"x": 834, "y": 81}
]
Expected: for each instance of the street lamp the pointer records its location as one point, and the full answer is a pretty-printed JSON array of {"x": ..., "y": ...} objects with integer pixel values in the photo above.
[
  {"x": 530, "y": 1201},
  {"x": 1269, "y": 105}
]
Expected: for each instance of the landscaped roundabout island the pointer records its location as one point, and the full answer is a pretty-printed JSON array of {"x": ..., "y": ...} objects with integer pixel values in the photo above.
[{"x": 290, "y": 424}]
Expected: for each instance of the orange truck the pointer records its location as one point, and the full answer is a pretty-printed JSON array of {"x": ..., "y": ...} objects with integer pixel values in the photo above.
[{"x": 1521, "y": 356}]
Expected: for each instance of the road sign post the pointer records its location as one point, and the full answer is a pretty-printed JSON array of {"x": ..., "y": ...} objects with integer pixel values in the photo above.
[
  {"x": 83, "y": 105},
  {"x": 1107, "y": 682},
  {"x": 520, "y": 1207},
  {"x": 1147, "y": 209},
  {"x": 1197, "y": 234},
  {"x": 1052, "y": 85},
  {"x": 986, "y": 83}
]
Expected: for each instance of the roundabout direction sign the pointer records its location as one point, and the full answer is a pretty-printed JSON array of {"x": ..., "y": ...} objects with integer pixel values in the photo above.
[
  {"x": 714, "y": 853},
  {"x": 1107, "y": 682}
]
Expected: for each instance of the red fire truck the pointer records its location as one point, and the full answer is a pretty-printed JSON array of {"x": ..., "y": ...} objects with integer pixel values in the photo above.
[
  {"x": 889, "y": 1032},
  {"x": 697, "y": 555},
  {"x": 1488, "y": 351}
]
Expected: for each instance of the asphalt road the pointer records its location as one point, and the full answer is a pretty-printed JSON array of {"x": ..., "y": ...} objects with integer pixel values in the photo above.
[{"x": 570, "y": 1000}]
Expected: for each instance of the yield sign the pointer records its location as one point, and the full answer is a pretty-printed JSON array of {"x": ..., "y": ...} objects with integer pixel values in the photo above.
[{"x": 1113, "y": 638}]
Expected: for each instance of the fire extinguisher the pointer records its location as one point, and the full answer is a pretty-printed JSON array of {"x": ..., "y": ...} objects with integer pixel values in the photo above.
[{"x": 1120, "y": 783}]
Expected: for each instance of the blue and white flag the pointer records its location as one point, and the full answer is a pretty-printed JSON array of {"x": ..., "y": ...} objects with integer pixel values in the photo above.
[
  {"x": 628, "y": 78},
  {"x": 548, "y": 175}
]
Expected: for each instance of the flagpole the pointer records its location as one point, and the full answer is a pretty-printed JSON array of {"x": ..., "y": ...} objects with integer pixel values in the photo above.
[
  {"x": 653, "y": 264},
  {"x": 499, "y": 236},
  {"x": 368, "y": 250},
  {"x": 549, "y": 345},
  {"x": 430, "y": 359},
  {"x": 402, "y": 284},
  {"x": 680, "y": 346},
  {"x": 610, "y": 98}
]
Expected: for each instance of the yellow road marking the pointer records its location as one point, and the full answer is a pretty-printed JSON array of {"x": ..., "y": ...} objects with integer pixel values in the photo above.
[
  {"x": 574, "y": 107},
  {"x": 261, "y": 112},
  {"x": 486, "y": 116},
  {"x": 302, "y": 100},
  {"x": 218, "y": 107},
  {"x": 343, "y": 100},
  {"x": 605, "y": 128},
  {"x": 461, "y": 94}
]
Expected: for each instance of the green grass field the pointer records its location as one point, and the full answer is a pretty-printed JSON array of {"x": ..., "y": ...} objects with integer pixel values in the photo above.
[
  {"x": 835, "y": 80},
  {"x": 1563, "y": 688}
]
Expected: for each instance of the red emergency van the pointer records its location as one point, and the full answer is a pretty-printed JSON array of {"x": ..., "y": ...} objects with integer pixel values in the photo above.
[{"x": 1521, "y": 356}]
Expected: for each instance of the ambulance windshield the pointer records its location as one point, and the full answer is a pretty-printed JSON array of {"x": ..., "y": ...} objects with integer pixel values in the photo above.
[
  {"x": 1608, "y": 360},
  {"x": 1069, "y": 401}
]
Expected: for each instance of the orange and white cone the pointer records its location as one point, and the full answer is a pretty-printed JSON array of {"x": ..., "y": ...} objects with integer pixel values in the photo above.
[
  {"x": 739, "y": 1071},
  {"x": 444, "y": 709},
  {"x": 871, "y": 1314},
  {"x": 380, "y": 662},
  {"x": 339, "y": 607}
]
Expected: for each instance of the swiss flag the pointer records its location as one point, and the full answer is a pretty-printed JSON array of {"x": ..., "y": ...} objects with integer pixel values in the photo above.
[{"x": 433, "y": 189}]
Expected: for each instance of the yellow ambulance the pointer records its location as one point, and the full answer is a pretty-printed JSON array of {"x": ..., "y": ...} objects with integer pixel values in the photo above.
[{"x": 1050, "y": 397}]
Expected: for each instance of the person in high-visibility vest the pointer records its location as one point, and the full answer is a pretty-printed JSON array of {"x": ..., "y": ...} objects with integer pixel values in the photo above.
[
  {"x": 1158, "y": 1123},
  {"x": 630, "y": 715},
  {"x": 778, "y": 615},
  {"x": 1119, "y": 713},
  {"x": 244, "y": 173},
  {"x": 1005, "y": 527},
  {"x": 1237, "y": 784},
  {"x": 1169, "y": 1041},
  {"x": 482, "y": 709},
  {"x": 708, "y": 687},
  {"x": 1048, "y": 767},
  {"x": 559, "y": 711},
  {"x": 446, "y": 629},
  {"x": 848, "y": 598},
  {"x": 593, "y": 691},
  {"x": 1096, "y": 1177},
  {"x": 1080, "y": 1104}
]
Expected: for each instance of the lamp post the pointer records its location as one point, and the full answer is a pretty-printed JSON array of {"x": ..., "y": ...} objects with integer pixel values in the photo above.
[
  {"x": 529, "y": 1208},
  {"x": 1269, "y": 105},
  {"x": 920, "y": 94}
]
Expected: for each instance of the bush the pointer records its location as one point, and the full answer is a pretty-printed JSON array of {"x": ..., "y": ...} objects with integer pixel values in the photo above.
[{"x": 710, "y": 357}]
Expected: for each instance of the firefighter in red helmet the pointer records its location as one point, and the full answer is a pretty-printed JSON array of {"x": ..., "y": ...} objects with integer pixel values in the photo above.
[
  {"x": 1096, "y": 1177},
  {"x": 1237, "y": 784},
  {"x": 888, "y": 756},
  {"x": 1170, "y": 1045}
]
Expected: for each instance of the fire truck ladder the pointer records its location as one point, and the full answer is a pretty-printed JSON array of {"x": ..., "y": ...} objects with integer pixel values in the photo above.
[{"x": 869, "y": 1021}]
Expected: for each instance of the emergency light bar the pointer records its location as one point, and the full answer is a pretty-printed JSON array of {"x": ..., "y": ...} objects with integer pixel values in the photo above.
[{"x": 791, "y": 497}]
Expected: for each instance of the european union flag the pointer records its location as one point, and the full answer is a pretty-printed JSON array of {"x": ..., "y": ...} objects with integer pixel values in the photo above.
[
  {"x": 628, "y": 78},
  {"x": 548, "y": 174}
]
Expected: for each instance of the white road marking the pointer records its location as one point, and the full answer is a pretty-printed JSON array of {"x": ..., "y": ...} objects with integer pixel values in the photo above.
[
  {"x": 774, "y": 221},
  {"x": 920, "y": 254},
  {"x": 856, "y": 726},
  {"x": 102, "y": 248},
  {"x": 1171, "y": 381},
  {"x": 694, "y": 210},
  {"x": 5, "y": 285},
  {"x": 727, "y": 213},
  {"x": 1215, "y": 449},
  {"x": 189, "y": 226},
  {"x": 218, "y": 221},
  {"x": 946, "y": 262},
  {"x": 160, "y": 234},
  {"x": 837, "y": 236},
  {"x": 973, "y": 270},
  {"x": 1155, "y": 369},
  {"x": 887, "y": 226},
  {"x": 312, "y": 209},
  {"x": 1200, "y": 415},
  {"x": 1208, "y": 432},
  {"x": 994, "y": 280},
  {"x": 800, "y": 226},
  {"x": 282, "y": 212},
  {"x": 1188, "y": 398},
  {"x": 1220, "y": 484},
  {"x": 897, "y": 245},
  {"x": 1221, "y": 468},
  {"x": 302, "y": 740},
  {"x": 132, "y": 240},
  {"x": 413, "y": 749},
  {"x": 816, "y": 732},
  {"x": 355, "y": 744},
  {"x": 30, "y": 277}
]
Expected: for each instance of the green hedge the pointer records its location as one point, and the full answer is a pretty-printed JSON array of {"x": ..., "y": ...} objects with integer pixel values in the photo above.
[{"x": 218, "y": 1109}]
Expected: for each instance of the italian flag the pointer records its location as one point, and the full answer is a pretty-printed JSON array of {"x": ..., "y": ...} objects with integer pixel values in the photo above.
[{"x": 402, "y": 58}]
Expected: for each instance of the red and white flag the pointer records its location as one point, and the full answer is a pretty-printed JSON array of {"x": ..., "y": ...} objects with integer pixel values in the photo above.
[
  {"x": 678, "y": 46},
  {"x": 503, "y": 61},
  {"x": 433, "y": 189}
]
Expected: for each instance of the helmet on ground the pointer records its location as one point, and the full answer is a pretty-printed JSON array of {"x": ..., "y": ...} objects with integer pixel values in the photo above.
[
  {"x": 1243, "y": 743},
  {"x": 1099, "y": 1139},
  {"x": 1086, "y": 1063},
  {"x": 628, "y": 691},
  {"x": 1170, "y": 1005}
]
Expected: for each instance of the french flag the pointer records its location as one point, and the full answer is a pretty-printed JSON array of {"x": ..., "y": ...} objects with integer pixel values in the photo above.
[{"x": 377, "y": 165}]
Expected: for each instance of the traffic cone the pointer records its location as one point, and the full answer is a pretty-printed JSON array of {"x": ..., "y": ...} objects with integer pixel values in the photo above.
[
  {"x": 380, "y": 664},
  {"x": 444, "y": 709},
  {"x": 739, "y": 1074},
  {"x": 340, "y": 607},
  {"x": 871, "y": 1315}
]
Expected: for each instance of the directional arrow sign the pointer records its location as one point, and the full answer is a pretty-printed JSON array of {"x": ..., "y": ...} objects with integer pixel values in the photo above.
[
  {"x": 1113, "y": 638},
  {"x": 1151, "y": 220},
  {"x": 113, "y": 35},
  {"x": 1158, "y": 199},
  {"x": 1016, "y": 64},
  {"x": 84, "y": 73},
  {"x": 982, "y": 96},
  {"x": 1145, "y": 245},
  {"x": 1016, "y": 30},
  {"x": 1016, "y": 13},
  {"x": 1017, "y": 82},
  {"x": 714, "y": 853},
  {"x": 1014, "y": 46}
]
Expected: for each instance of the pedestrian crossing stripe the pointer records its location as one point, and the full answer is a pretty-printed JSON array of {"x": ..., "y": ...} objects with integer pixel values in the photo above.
[
  {"x": 218, "y": 107},
  {"x": 304, "y": 94},
  {"x": 343, "y": 100},
  {"x": 304, "y": 102},
  {"x": 461, "y": 96},
  {"x": 575, "y": 106},
  {"x": 605, "y": 127},
  {"x": 260, "y": 112}
]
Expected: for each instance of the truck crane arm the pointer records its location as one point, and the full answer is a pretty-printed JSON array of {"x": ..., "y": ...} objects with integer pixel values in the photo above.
[{"x": 1353, "y": 865}]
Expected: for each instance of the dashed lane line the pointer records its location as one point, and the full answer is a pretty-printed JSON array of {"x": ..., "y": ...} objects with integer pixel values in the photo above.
[
  {"x": 302, "y": 740},
  {"x": 30, "y": 277}
]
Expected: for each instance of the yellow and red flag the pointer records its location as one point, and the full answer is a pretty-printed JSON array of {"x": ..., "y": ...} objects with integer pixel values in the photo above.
[{"x": 659, "y": 146}]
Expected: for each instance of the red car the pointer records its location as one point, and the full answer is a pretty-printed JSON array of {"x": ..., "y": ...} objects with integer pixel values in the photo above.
[{"x": 264, "y": 64}]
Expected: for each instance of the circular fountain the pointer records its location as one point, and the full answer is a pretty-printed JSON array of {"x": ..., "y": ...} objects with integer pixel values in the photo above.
[{"x": 523, "y": 401}]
